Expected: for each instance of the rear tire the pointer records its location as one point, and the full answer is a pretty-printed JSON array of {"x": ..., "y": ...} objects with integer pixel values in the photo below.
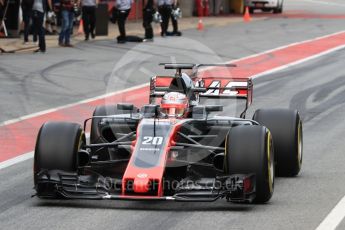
[
  {"x": 99, "y": 135},
  {"x": 103, "y": 110},
  {"x": 57, "y": 147},
  {"x": 286, "y": 128},
  {"x": 249, "y": 149}
]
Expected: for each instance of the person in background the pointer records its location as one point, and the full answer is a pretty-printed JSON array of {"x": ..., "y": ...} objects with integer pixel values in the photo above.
[
  {"x": 164, "y": 8},
  {"x": 217, "y": 7},
  {"x": 174, "y": 20},
  {"x": 2, "y": 3},
  {"x": 57, "y": 11},
  {"x": 51, "y": 21},
  {"x": 148, "y": 10},
  {"x": 38, "y": 10},
  {"x": 26, "y": 6},
  {"x": 67, "y": 14},
  {"x": 89, "y": 17},
  {"x": 123, "y": 7}
]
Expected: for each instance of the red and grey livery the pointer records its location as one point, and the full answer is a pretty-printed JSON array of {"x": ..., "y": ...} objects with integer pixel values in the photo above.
[{"x": 138, "y": 154}]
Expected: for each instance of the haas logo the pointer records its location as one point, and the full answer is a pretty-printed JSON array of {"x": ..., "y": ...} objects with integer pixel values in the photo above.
[
  {"x": 218, "y": 87},
  {"x": 142, "y": 175}
]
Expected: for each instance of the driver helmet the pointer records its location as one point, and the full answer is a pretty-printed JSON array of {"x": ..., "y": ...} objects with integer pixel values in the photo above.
[{"x": 174, "y": 104}]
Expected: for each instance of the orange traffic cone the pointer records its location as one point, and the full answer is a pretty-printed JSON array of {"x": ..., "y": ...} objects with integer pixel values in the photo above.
[
  {"x": 246, "y": 16},
  {"x": 81, "y": 27},
  {"x": 200, "y": 25}
]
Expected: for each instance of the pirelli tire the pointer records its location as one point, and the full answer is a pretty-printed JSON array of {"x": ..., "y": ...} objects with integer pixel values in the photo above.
[
  {"x": 57, "y": 147},
  {"x": 249, "y": 149},
  {"x": 287, "y": 132}
]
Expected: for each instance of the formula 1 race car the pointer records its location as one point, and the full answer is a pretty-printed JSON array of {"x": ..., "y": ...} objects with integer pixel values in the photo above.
[{"x": 173, "y": 148}]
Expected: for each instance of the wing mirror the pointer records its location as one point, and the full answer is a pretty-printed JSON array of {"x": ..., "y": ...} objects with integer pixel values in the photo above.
[{"x": 150, "y": 111}]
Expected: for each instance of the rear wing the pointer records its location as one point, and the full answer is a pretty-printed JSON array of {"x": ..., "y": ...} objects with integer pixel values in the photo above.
[
  {"x": 209, "y": 85},
  {"x": 222, "y": 88}
]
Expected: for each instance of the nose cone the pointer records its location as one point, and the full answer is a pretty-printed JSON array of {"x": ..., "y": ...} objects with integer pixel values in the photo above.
[{"x": 141, "y": 185}]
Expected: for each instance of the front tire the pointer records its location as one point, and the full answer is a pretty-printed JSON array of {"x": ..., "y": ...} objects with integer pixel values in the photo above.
[
  {"x": 287, "y": 132},
  {"x": 249, "y": 149},
  {"x": 57, "y": 147}
]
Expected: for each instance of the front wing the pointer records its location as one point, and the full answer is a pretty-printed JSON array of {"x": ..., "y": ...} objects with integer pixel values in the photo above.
[{"x": 61, "y": 184}]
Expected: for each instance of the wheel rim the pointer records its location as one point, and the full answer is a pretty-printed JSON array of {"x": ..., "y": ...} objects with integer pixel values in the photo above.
[
  {"x": 300, "y": 144},
  {"x": 270, "y": 162}
]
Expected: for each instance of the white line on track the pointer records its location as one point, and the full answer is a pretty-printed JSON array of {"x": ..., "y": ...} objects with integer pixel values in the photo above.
[
  {"x": 16, "y": 160},
  {"x": 334, "y": 218},
  {"x": 8, "y": 122},
  {"x": 29, "y": 155},
  {"x": 280, "y": 68},
  {"x": 289, "y": 45}
]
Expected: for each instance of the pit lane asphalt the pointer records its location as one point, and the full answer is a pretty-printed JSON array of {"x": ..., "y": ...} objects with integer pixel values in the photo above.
[{"x": 315, "y": 88}]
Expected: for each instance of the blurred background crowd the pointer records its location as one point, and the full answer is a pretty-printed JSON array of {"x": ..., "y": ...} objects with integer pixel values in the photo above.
[{"x": 58, "y": 17}]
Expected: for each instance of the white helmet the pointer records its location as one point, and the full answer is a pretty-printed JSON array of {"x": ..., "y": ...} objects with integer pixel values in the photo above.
[
  {"x": 176, "y": 13},
  {"x": 174, "y": 104},
  {"x": 157, "y": 18}
]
